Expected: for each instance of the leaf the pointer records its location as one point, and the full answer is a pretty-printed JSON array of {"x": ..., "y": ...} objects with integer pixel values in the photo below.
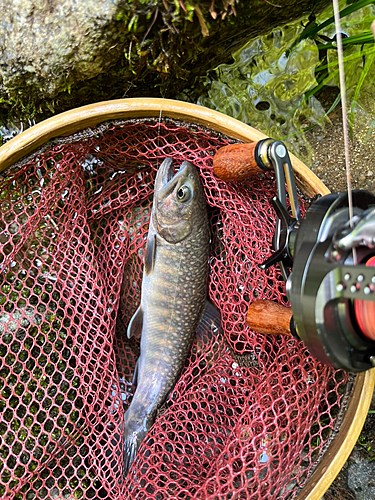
[
  {"x": 364, "y": 72},
  {"x": 363, "y": 38},
  {"x": 312, "y": 29}
]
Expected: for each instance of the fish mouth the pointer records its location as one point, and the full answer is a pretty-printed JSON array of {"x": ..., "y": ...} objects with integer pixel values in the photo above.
[
  {"x": 165, "y": 174},
  {"x": 171, "y": 214},
  {"x": 166, "y": 179}
]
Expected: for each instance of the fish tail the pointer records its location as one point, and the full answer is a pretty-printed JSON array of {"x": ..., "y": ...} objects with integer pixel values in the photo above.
[{"x": 130, "y": 451}]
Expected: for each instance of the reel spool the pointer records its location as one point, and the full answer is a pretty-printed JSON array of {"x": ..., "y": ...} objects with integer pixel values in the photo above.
[{"x": 365, "y": 311}]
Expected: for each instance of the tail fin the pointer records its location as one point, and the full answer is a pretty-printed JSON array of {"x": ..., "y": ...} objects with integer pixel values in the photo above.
[{"x": 130, "y": 451}]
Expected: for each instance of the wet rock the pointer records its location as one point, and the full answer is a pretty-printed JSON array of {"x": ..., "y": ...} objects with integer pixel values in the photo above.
[
  {"x": 151, "y": 47},
  {"x": 49, "y": 44},
  {"x": 361, "y": 479}
]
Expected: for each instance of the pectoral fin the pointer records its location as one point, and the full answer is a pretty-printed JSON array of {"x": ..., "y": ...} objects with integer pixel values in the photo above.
[
  {"x": 136, "y": 324},
  {"x": 150, "y": 254},
  {"x": 210, "y": 323}
]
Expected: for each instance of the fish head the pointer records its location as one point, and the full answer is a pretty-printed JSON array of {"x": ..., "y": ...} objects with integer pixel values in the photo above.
[{"x": 178, "y": 200}]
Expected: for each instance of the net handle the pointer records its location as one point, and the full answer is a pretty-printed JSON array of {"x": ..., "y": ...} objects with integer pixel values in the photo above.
[{"x": 91, "y": 115}]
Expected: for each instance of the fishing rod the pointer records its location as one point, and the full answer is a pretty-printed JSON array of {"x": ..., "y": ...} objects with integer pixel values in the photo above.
[{"x": 327, "y": 257}]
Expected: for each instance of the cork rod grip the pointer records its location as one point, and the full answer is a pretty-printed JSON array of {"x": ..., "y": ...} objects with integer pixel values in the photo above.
[
  {"x": 235, "y": 162},
  {"x": 269, "y": 318}
]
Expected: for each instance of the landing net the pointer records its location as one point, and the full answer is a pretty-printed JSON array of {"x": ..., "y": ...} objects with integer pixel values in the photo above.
[{"x": 250, "y": 416}]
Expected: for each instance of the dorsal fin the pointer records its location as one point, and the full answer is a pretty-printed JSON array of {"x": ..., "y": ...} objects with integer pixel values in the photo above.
[
  {"x": 150, "y": 254},
  {"x": 136, "y": 324}
]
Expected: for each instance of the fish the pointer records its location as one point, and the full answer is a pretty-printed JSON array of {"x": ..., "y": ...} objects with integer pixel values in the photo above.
[{"x": 173, "y": 295}]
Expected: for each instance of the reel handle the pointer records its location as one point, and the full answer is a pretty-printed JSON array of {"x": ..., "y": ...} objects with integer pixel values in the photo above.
[
  {"x": 269, "y": 318},
  {"x": 332, "y": 297},
  {"x": 236, "y": 162}
]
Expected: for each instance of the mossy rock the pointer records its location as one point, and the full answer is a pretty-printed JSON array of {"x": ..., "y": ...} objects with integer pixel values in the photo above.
[{"x": 60, "y": 54}]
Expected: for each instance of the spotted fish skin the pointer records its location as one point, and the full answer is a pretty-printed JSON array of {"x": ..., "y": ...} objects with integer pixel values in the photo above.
[{"x": 174, "y": 289}]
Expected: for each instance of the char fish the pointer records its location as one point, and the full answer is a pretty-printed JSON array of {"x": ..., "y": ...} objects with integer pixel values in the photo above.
[{"x": 174, "y": 288}]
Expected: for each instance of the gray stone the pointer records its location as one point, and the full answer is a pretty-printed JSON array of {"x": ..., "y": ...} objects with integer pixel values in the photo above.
[
  {"x": 50, "y": 44},
  {"x": 361, "y": 479},
  {"x": 132, "y": 47}
]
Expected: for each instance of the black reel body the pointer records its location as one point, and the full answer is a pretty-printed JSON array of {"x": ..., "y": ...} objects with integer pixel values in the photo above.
[
  {"x": 327, "y": 261},
  {"x": 324, "y": 283}
]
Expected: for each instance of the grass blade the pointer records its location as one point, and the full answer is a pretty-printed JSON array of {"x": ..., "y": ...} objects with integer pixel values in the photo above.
[
  {"x": 364, "y": 72},
  {"x": 371, "y": 128},
  {"x": 363, "y": 38},
  {"x": 350, "y": 58},
  {"x": 312, "y": 29},
  {"x": 335, "y": 103}
]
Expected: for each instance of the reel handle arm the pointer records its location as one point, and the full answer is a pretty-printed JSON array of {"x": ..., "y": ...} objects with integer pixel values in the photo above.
[{"x": 236, "y": 162}]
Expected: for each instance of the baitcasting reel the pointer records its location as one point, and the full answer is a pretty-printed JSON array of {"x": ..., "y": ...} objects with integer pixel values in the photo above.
[{"x": 327, "y": 263}]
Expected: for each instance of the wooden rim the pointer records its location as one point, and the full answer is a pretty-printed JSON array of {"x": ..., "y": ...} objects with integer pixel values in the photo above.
[
  {"x": 93, "y": 114},
  {"x": 341, "y": 447},
  {"x": 89, "y": 116}
]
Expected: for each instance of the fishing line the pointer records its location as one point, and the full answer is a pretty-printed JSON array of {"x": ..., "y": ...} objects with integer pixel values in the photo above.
[{"x": 336, "y": 12}]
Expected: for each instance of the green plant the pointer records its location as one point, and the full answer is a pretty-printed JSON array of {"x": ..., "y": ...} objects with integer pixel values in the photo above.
[
  {"x": 359, "y": 52},
  {"x": 365, "y": 443},
  {"x": 273, "y": 81}
]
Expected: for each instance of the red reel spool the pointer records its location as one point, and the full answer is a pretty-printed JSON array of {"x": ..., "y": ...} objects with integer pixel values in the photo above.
[{"x": 365, "y": 312}]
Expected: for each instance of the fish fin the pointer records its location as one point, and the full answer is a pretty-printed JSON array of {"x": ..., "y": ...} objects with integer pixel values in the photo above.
[
  {"x": 135, "y": 374},
  {"x": 136, "y": 324},
  {"x": 150, "y": 254},
  {"x": 130, "y": 452},
  {"x": 132, "y": 442},
  {"x": 210, "y": 323}
]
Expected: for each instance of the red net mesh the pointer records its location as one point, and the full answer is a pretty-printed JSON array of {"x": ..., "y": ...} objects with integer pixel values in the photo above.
[{"x": 250, "y": 415}]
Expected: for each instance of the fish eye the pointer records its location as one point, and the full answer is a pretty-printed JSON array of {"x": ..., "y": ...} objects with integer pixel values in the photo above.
[{"x": 184, "y": 193}]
